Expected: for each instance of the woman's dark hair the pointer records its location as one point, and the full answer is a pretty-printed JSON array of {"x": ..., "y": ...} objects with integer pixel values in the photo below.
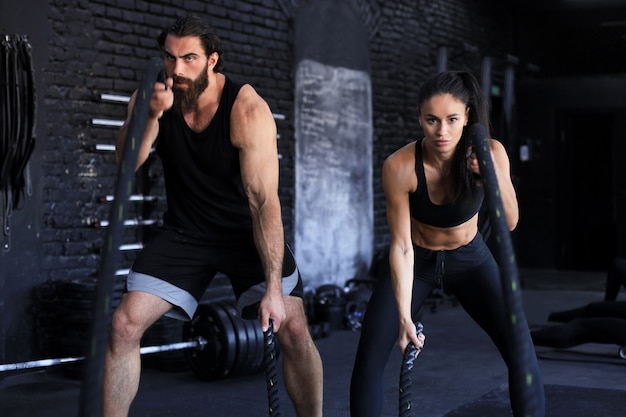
[
  {"x": 463, "y": 86},
  {"x": 192, "y": 25}
]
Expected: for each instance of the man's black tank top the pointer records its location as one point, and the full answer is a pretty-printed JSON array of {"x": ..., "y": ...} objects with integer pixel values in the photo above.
[
  {"x": 202, "y": 176},
  {"x": 439, "y": 215}
]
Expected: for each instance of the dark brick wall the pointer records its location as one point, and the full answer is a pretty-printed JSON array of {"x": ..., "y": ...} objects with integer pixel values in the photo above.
[
  {"x": 101, "y": 46},
  {"x": 404, "y": 53}
]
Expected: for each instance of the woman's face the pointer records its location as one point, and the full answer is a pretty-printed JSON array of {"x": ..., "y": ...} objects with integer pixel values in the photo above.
[{"x": 443, "y": 117}]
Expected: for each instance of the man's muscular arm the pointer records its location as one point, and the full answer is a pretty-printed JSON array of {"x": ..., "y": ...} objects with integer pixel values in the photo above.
[{"x": 253, "y": 132}]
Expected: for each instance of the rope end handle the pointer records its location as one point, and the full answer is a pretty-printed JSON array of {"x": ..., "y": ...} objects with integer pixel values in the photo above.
[
  {"x": 410, "y": 352},
  {"x": 270, "y": 371},
  {"x": 408, "y": 359},
  {"x": 269, "y": 333},
  {"x": 269, "y": 341}
]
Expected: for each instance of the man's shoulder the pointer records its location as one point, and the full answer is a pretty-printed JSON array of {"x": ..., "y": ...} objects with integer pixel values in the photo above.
[{"x": 249, "y": 100}]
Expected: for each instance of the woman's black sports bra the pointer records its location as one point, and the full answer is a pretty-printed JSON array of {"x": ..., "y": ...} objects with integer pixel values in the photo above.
[{"x": 439, "y": 215}]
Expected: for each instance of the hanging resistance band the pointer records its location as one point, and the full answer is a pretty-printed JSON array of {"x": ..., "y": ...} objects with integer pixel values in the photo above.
[
  {"x": 523, "y": 353},
  {"x": 17, "y": 118},
  {"x": 93, "y": 372}
]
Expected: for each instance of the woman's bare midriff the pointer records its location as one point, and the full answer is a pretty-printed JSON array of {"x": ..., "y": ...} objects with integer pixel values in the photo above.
[{"x": 437, "y": 238}]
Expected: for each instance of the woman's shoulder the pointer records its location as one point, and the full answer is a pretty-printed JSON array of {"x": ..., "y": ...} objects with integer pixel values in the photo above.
[
  {"x": 495, "y": 144},
  {"x": 497, "y": 148},
  {"x": 401, "y": 163},
  {"x": 404, "y": 151}
]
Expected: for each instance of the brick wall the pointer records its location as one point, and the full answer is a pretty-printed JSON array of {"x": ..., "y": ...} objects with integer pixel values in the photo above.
[
  {"x": 101, "y": 47},
  {"x": 404, "y": 54}
]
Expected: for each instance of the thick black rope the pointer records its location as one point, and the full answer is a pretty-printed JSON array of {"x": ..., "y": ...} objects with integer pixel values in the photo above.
[
  {"x": 9, "y": 110},
  {"x": 26, "y": 142},
  {"x": 4, "y": 103},
  {"x": 408, "y": 359},
  {"x": 6, "y": 140},
  {"x": 91, "y": 390},
  {"x": 17, "y": 118},
  {"x": 522, "y": 353},
  {"x": 270, "y": 371}
]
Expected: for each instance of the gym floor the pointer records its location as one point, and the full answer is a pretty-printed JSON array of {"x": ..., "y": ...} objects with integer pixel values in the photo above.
[{"x": 458, "y": 365}]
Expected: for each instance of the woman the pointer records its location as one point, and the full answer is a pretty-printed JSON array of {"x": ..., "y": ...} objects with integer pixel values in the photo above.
[{"x": 434, "y": 194}]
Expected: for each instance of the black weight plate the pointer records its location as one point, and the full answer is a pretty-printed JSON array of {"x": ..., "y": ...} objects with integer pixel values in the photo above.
[
  {"x": 243, "y": 355},
  {"x": 215, "y": 359},
  {"x": 206, "y": 364},
  {"x": 232, "y": 316},
  {"x": 231, "y": 331},
  {"x": 256, "y": 351},
  {"x": 255, "y": 341},
  {"x": 255, "y": 345},
  {"x": 227, "y": 315}
]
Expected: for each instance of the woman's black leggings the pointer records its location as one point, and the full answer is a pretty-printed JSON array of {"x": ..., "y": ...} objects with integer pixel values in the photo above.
[{"x": 472, "y": 275}]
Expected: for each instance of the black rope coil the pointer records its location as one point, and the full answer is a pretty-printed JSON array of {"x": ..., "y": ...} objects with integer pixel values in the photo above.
[
  {"x": 17, "y": 124},
  {"x": 90, "y": 395},
  {"x": 270, "y": 371},
  {"x": 408, "y": 360},
  {"x": 525, "y": 376}
]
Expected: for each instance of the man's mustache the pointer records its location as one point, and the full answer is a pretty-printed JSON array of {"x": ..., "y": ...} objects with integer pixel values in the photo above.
[{"x": 181, "y": 80}]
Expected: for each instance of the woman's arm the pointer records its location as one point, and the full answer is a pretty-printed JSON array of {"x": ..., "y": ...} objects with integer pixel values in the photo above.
[
  {"x": 502, "y": 168},
  {"x": 398, "y": 177}
]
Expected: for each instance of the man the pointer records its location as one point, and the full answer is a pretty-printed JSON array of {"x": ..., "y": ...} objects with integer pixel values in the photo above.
[{"x": 217, "y": 143}]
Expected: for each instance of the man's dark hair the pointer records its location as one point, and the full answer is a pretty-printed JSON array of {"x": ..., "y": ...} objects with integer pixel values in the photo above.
[{"x": 192, "y": 25}]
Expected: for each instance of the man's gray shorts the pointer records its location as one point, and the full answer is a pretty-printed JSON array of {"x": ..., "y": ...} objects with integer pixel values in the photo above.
[{"x": 185, "y": 304}]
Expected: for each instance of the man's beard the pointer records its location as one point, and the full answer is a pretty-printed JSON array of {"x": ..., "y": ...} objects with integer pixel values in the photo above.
[{"x": 186, "y": 99}]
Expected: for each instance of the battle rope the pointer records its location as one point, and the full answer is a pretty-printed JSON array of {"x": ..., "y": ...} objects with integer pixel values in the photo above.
[
  {"x": 270, "y": 371},
  {"x": 90, "y": 396},
  {"x": 408, "y": 360},
  {"x": 26, "y": 143},
  {"x": 523, "y": 353},
  {"x": 17, "y": 130}
]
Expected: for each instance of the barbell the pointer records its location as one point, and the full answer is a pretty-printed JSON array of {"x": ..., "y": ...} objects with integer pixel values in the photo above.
[
  {"x": 217, "y": 343},
  {"x": 198, "y": 344}
]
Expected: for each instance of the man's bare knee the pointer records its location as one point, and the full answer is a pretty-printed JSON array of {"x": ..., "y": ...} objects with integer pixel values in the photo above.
[
  {"x": 294, "y": 336},
  {"x": 133, "y": 316},
  {"x": 124, "y": 335}
]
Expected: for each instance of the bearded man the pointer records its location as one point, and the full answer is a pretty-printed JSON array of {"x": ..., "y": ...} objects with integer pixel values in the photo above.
[{"x": 216, "y": 139}]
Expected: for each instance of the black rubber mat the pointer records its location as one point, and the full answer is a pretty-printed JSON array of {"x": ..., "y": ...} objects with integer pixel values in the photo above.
[
  {"x": 582, "y": 356},
  {"x": 561, "y": 401}
]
